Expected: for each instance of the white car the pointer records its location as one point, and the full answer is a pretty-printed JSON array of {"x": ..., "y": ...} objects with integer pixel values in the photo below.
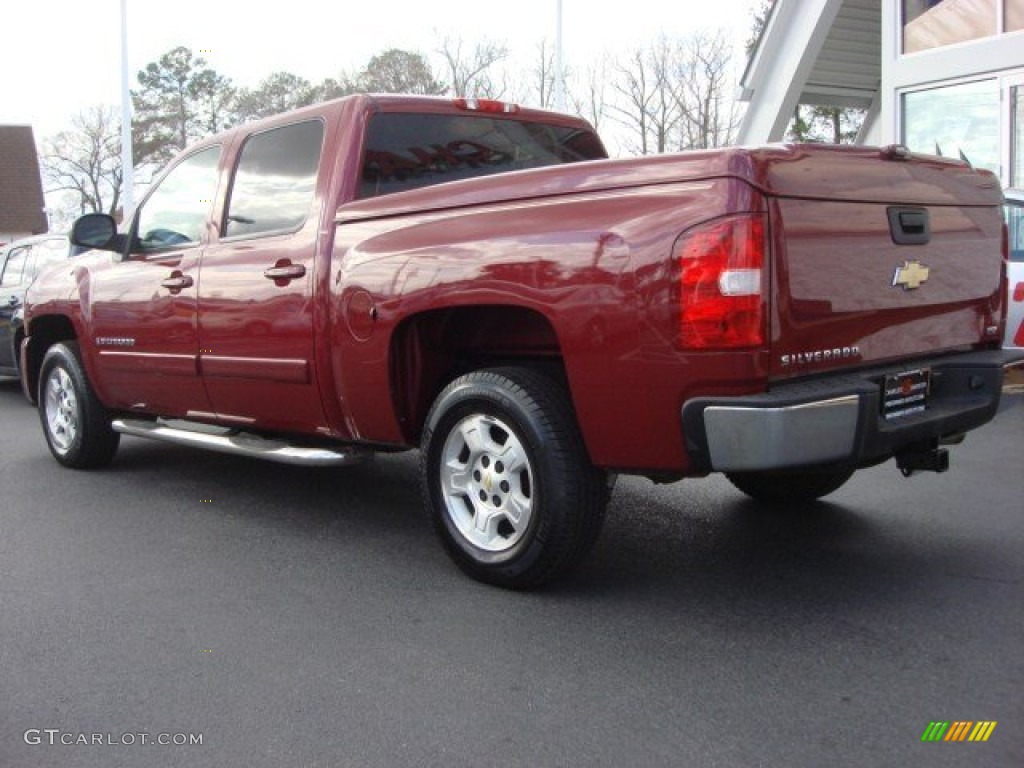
[{"x": 1015, "y": 221}]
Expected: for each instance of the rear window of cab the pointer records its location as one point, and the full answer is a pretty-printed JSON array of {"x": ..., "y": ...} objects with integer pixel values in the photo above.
[{"x": 406, "y": 151}]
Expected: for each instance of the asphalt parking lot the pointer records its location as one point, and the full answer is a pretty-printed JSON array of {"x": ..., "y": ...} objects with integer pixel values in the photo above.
[{"x": 291, "y": 617}]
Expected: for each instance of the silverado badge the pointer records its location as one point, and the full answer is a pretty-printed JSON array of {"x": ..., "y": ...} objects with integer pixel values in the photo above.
[
  {"x": 113, "y": 341},
  {"x": 911, "y": 275}
]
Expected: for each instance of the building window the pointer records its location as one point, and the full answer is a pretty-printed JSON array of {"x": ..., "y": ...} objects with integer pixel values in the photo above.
[
  {"x": 931, "y": 24},
  {"x": 959, "y": 121},
  {"x": 1014, "y": 15}
]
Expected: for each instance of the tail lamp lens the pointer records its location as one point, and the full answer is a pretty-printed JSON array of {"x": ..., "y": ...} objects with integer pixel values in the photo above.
[{"x": 721, "y": 274}]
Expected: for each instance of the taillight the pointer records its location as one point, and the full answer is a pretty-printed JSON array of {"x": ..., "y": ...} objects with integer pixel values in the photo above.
[
  {"x": 721, "y": 305},
  {"x": 491, "y": 106}
]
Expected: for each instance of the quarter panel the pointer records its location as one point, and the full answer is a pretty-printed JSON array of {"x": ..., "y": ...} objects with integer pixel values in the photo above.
[{"x": 597, "y": 266}]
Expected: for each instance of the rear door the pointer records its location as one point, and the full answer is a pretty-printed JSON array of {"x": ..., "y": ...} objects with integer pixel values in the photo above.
[{"x": 256, "y": 307}]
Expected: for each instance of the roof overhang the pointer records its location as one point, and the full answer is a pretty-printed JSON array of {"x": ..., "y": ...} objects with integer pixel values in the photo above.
[{"x": 816, "y": 52}]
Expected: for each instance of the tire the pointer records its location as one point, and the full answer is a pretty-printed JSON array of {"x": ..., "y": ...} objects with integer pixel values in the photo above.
[
  {"x": 789, "y": 487},
  {"x": 75, "y": 423},
  {"x": 506, "y": 478}
]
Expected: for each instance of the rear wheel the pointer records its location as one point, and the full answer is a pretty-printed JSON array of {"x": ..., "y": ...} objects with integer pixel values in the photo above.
[
  {"x": 789, "y": 486},
  {"x": 75, "y": 423},
  {"x": 507, "y": 480}
]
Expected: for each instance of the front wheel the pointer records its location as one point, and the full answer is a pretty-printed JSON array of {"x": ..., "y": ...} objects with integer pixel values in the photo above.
[
  {"x": 507, "y": 480},
  {"x": 75, "y": 423}
]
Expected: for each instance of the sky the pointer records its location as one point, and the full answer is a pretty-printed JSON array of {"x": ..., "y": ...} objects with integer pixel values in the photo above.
[{"x": 60, "y": 57}]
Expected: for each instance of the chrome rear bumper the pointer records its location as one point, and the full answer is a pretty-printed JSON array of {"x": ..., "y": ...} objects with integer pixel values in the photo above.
[{"x": 836, "y": 419}]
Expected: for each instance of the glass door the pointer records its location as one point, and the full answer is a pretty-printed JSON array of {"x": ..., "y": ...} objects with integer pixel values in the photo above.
[
  {"x": 1017, "y": 135},
  {"x": 1013, "y": 147}
]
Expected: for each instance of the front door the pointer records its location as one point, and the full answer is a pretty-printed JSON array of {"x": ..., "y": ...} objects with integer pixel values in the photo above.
[{"x": 144, "y": 304}]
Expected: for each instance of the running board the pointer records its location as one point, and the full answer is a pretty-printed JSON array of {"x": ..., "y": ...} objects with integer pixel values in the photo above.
[{"x": 226, "y": 440}]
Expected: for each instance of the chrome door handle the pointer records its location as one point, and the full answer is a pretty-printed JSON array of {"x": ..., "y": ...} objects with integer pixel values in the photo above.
[
  {"x": 177, "y": 282},
  {"x": 285, "y": 272}
]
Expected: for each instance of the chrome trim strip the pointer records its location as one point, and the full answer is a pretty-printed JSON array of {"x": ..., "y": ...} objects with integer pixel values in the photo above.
[
  {"x": 148, "y": 362},
  {"x": 255, "y": 368},
  {"x": 242, "y": 444}
]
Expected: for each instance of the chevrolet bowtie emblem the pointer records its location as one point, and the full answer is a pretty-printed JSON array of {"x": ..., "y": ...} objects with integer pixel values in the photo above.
[{"x": 911, "y": 275}]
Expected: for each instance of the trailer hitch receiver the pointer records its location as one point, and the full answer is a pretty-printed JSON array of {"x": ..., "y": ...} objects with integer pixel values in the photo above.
[{"x": 931, "y": 459}]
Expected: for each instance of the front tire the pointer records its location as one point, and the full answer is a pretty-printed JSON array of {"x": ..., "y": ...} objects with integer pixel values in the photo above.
[
  {"x": 75, "y": 423},
  {"x": 507, "y": 480}
]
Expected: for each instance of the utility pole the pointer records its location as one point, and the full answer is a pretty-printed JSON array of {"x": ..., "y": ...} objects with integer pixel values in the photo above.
[
  {"x": 127, "y": 160},
  {"x": 559, "y": 63}
]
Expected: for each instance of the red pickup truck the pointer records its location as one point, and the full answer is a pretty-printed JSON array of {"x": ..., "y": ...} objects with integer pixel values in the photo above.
[{"x": 476, "y": 280}]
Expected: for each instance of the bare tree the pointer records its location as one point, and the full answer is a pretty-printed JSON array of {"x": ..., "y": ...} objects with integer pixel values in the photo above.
[
  {"x": 666, "y": 111},
  {"x": 646, "y": 104},
  {"x": 589, "y": 91},
  {"x": 542, "y": 77},
  {"x": 471, "y": 72},
  {"x": 676, "y": 94},
  {"x": 86, "y": 161},
  {"x": 634, "y": 90},
  {"x": 702, "y": 88}
]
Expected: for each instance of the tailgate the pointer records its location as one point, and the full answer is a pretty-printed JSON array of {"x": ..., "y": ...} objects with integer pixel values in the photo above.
[{"x": 880, "y": 259}]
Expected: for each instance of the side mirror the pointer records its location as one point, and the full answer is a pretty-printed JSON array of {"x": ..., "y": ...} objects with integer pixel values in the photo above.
[{"x": 96, "y": 230}]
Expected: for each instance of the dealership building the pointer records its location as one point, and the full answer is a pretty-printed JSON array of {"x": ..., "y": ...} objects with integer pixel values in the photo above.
[{"x": 940, "y": 76}]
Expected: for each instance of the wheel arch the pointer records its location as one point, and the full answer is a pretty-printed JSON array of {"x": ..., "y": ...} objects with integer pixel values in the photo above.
[
  {"x": 430, "y": 349},
  {"x": 46, "y": 330}
]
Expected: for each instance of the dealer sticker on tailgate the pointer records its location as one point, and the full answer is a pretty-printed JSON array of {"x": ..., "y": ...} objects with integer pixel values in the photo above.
[{"x": 906, "y": 393}]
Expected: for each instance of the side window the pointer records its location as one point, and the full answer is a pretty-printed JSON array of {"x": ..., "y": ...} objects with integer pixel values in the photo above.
[
  {"x": 275, "y": 180},
  {"x": 48, "y": 252},
  {"x": 175, "y": 213},
  {"x": 15, "y": 266}
]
